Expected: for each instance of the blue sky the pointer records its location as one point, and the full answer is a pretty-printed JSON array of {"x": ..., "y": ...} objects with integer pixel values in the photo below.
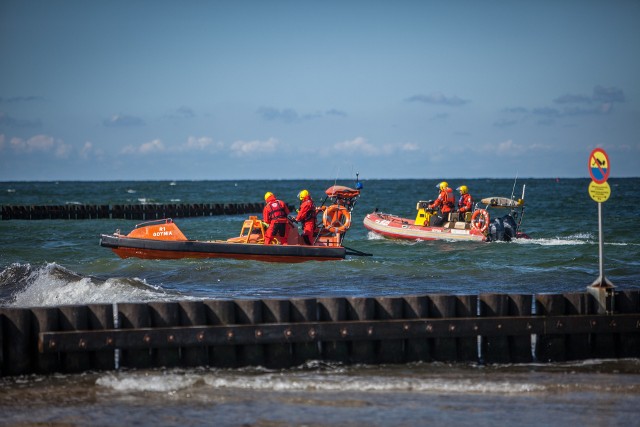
[{"x": 95, "y": 90}]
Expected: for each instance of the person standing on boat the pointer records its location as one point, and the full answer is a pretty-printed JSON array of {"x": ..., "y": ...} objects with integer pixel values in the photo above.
[
  {"x": 307, "y": 216},
  {"x": 275, "y": 215},
  {"x": 465, "y": 203},
  {"x": 445, "y": 201}
]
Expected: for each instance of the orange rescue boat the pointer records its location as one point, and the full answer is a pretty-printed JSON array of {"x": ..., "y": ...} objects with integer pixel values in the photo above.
[{"x": 162, "y": 239}]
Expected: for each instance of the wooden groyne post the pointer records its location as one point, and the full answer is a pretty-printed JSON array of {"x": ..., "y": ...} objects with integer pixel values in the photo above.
[
  {"x": 281, "y": 333},
  {"x": 145, "y": 212}
]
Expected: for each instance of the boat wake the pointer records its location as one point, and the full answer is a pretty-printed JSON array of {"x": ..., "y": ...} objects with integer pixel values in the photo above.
[
  {"x": 23, "y": 285},
  {"x": 571, "y": 240}
]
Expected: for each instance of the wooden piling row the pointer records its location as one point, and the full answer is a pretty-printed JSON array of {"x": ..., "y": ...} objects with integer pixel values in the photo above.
[
  {"x": 281, "y": 333},
  {"x": 136, "y": 212}
]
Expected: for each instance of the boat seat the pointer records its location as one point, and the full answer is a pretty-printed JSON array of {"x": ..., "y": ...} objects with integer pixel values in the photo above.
[{"x": 460, "y": 225}]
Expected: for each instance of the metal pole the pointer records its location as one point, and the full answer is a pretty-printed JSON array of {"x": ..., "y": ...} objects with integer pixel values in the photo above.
[{"x": 602, "y": 279}]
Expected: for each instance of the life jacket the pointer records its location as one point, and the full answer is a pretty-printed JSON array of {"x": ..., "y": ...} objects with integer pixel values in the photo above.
[
  {"x": 308, "y": 209},
  {"x": 465, "y": 203},
  {"x": 448, "y": 199},
  {"x": 277, "y": 210}
]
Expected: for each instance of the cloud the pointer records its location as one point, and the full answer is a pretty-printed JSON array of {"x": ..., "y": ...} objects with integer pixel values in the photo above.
[
  {"x": 249, "y": 148},
  {"x": 202, "y": 143},
  {"x": 516, "y": 110},
  {"x": 289, "y": 115},
  {"x": 155, "y": 146},
  {"x": 440, "y": 116},
  {"x": 88, "y": 151},
  {"x": 360, "y": 145},
  {"x": 1, "y": 142},
  {"x": 123, "y": 120},
  {"x": 608, "y": 94},
  {"x": 437, "y": 98},
  {"x": 182, "y": 113},
  {"x": 334, "y": 112},
  {"x": 357, "y": 145},
  {"x": 152, "y": 146},
  {"x": 11, "y": 122},
  {"x": 505, "y": 123},
  {"x": 41, "y": 143},
  {"x": 572, "y": 99}
]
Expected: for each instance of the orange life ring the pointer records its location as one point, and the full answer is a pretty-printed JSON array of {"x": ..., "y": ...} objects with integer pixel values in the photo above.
[
  {"x": 336, "y": 219},
  {"x": 480, "y": 220}
]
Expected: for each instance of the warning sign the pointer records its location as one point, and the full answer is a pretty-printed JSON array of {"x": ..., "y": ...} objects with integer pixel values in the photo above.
[
  {"x": 599, "y": 192},
  {"x": 599, "y": 167}
]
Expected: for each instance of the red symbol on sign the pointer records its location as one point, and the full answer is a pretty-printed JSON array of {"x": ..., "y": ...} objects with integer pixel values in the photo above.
[{"x": 599, "y": 166}]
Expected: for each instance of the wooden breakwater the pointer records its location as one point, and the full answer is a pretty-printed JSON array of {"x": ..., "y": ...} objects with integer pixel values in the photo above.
[
  {"x": 486, "y": 328},
  {"x": 133, "y": 211}
]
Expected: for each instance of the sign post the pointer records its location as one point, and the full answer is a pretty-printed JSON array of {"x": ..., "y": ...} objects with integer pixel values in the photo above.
[{"x": 599, "y": 190}]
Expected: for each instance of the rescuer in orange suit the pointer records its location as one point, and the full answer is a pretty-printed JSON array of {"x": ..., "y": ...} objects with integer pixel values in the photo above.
[
  {"x": 275, "y": 215},
  {"x": 465, "y": 203},
  {"x": 307, "y": 216},
  {"x": 445, "y": 201}
]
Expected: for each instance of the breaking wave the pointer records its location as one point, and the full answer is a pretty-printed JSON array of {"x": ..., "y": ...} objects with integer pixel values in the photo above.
[{"x": 22, "y": 285}]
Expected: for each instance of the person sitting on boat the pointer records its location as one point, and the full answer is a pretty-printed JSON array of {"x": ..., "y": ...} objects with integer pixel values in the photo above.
[
  {"x": 275, "y": 215},
  {"x": 307, "y": 216},
  {"x": 465, "y": 203},
  {"x": 445, "y": 201}
]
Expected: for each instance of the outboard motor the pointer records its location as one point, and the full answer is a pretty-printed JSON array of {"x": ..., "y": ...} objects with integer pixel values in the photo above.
[
  {"x": 510, "y": 227},
  {"x": 502, "y": 229},
  {"x": 496, "y": 230}
]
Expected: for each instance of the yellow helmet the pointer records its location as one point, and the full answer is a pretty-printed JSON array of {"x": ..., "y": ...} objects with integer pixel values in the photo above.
[
  {"x": 267, "y": 195},
  {"x": 303, "y": 194},
  {"x": 442, "y": 185},
  {"x": 463, "y": 189}
]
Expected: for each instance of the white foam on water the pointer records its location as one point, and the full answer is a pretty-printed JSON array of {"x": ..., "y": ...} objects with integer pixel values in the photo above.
[
  {"x": 275, "y": 382},
  {"x": 53, "y": 284},
  {"x": 152, "y": 382},
  {"x": 557, "y": 241},
  {"x": 375, "y": 236}
]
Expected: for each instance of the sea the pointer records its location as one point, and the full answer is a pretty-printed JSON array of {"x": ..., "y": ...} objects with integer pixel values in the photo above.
[{"x": 60, "y": 262}]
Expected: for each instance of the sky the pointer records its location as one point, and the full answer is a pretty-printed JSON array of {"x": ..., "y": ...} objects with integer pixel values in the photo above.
[{"x": 166, "y": 90}]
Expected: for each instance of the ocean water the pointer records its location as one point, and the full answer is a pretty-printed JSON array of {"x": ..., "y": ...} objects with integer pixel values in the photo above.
[{"x": 58, "y": 262}]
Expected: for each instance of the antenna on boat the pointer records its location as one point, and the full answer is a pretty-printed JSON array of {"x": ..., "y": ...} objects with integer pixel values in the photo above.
[{"x": 513, "y": 190}]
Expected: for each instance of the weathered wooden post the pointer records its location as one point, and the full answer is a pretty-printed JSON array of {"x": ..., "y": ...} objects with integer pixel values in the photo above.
[
  {"x": 277, "y": 356},
  {"x": 416, "y": 349},
  {"x": 132, "y": 316},
  {"x": 74, "y": 318},
  {"x": 192, "y": 313},
  {"x": 389, "y": 308},
  {"x": 467, "y": 306},
  {"x": 45, "y": 319},
  {"x": 222, "y": 312},
  {"x": 333, "y": 310},
  {"x": 550, "y": 347},
  {"x": 304, "y": 310},
  {"x": 18, "y": 344},
  {"x": 361, "y": 309},
  {"x": 249, "y": 312},
  {"x": 442, "y": 306},
  {"x": 166, "y": 315}
]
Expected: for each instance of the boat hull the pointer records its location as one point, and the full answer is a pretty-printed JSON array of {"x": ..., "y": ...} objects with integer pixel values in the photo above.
[
  {"x": 126, "y": 247},
  {"x": 395, "y": 227}
]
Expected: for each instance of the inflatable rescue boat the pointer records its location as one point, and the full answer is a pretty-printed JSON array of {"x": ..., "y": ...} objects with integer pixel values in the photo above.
[
  {"x": 162, "y": 239},
  {"x": 477, "y": 225}
]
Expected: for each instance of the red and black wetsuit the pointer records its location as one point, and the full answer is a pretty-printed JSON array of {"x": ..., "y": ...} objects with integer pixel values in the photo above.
[
  {"x": 307, "y": 216},
  {"x": 275, "y": 214}
]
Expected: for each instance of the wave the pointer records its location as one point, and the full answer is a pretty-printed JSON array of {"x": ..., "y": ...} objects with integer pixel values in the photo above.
[
  {"x": 333, "y": 378},
  {"x": 22, "y": 285}
]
